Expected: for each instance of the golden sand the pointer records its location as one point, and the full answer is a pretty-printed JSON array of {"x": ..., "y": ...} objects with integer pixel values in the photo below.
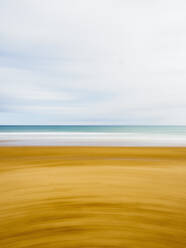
[{"x": 63, "y": 197}]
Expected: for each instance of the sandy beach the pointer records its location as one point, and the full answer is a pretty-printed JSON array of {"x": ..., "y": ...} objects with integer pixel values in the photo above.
[{"x": 75, "y": 197}]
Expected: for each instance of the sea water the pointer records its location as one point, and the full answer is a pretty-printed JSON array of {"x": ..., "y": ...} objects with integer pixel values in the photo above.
[{"x": 92, "y": 135}]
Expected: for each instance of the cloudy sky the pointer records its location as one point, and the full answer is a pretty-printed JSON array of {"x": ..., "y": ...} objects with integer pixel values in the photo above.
[{"x": 93, "y": 62}]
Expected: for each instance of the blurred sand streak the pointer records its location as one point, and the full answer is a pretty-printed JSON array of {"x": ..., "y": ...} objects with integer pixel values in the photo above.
[{"x": 62, "y": 197}]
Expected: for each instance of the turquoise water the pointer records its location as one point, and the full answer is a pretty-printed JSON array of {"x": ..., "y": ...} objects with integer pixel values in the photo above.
[
  {"x": 93, "y": 135},
  {"x": 95, "y": 129}
]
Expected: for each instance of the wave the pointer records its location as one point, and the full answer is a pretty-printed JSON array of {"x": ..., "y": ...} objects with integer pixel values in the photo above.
[{"x": 91, "y": 139}]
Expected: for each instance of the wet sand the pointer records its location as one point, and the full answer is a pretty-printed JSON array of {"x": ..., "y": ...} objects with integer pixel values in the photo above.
[{"x": 63, "y": 197}]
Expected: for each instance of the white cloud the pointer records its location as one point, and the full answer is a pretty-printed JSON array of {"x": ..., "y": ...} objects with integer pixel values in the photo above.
[{"x": 113, "y": 61}]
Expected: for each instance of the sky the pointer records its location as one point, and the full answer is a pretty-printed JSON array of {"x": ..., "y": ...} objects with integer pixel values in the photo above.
[{"x": 93, "y": 62}]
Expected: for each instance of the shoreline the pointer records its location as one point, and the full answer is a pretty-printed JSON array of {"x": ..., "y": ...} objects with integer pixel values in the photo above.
[{"x": 92, "y": 136}]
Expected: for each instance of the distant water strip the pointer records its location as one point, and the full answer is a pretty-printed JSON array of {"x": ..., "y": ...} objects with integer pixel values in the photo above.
[{"x": 93, "y": 135}]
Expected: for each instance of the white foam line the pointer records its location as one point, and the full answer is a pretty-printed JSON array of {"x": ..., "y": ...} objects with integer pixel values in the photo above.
[{"x": 90, "y": 138}]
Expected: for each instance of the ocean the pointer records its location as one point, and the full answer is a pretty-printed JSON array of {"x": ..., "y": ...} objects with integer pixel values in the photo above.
[{"x": 92, "y": 135}]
